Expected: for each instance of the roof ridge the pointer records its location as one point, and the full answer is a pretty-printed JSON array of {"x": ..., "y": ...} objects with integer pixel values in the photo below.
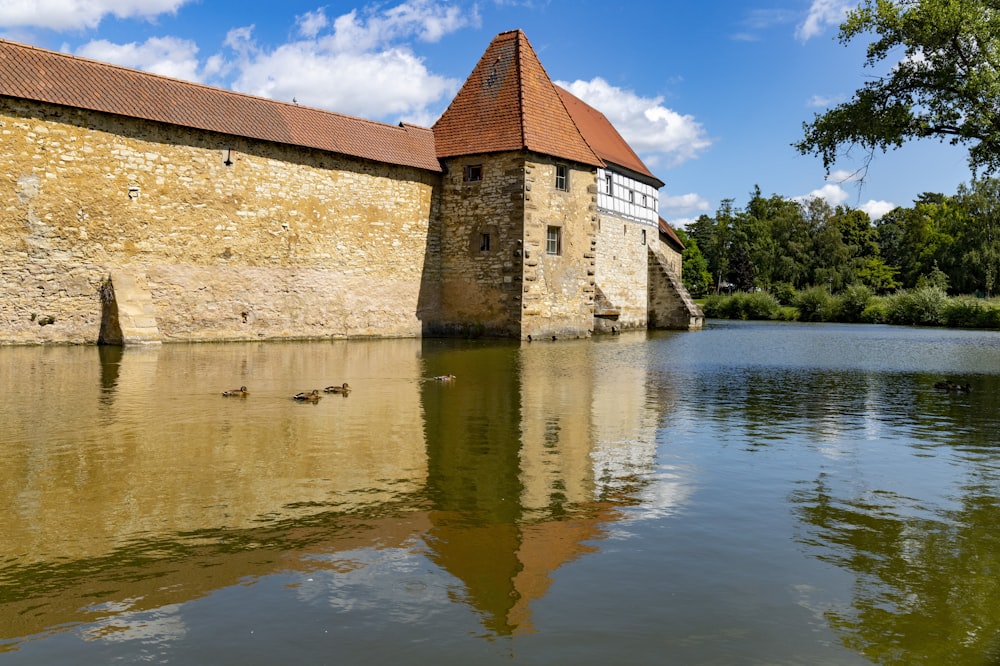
[
  {"x": 131, "y": 71},
  {"x": 521, "y": 102}
]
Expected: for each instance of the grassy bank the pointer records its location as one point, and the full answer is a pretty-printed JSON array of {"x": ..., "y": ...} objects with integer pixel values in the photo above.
[{"x": 928, "y": 306}]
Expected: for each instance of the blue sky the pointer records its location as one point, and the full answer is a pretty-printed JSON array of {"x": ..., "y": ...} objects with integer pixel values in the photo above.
[{"x": 710, "y": 94}]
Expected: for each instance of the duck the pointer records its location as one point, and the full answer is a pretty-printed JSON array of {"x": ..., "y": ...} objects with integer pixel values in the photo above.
[
  {"x": 444, "y": 378},
  {"x": 307, "y": 396},
  {"x": 952, "y": 387},
  {"x": 241, "y": 392},
  {"x": 343, "y": 388}
]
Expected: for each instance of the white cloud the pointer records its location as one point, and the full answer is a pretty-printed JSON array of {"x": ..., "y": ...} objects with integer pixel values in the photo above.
[
  {"x": 425, "y": 20},
  {"x": 653, "y": 130},
  {"x": 79, "y": 14},
  {"x": 168, "y": 56},
  {"x": 355, "y": 64},
  {"x": 311, "y": 23},
  {"x": 832, "y": 194},
  {"x": 822, "y": 14},
  {"x": 684, "y": 203},
  {"x": 876, "y": 209},
  {"x": 822, "y": 101},
  {"x": 677, "y": 209},
  {"x": 372, "y": 85},
  {"x": 835, "y": 195}
]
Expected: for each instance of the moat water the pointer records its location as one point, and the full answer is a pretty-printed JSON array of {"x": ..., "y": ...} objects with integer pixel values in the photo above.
[{"x": 753, "y": 493}]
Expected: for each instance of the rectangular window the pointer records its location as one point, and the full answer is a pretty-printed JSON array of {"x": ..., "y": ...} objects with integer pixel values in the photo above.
[
  {"x": 645, "y": 204},
  {"x": 631, "y": 196},
  {"x": 473, "y": 172},
  {"x": 553, "y": 240},
  {"x": 562, "y": 177},
  {"x": 484, "y": 242},
  {"x": 607, "y": 184},
  {"x": 643, "y": 236}
]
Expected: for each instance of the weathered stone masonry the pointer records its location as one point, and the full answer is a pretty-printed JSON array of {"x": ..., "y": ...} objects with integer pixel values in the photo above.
[{"x": 280, "y": 243}]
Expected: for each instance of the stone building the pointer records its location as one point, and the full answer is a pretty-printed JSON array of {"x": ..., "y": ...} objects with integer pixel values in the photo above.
[{"x": 138, "y": 208}]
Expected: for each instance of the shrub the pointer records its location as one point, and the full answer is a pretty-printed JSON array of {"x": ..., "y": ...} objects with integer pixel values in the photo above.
[
  {"x": 712, "y": 306},
  {"x": 741, "y": 305},
  {"x": 816, "y": 304},
  {"x": 758, "y": 305},
  {"x": 853, "y": 302},
  {"x": 922, "y": 307},
  {"x": 965, "y": 312},
  {"x": 787, "y": 313},
  {"x": 784, "y": 292},
  {"x": 876, "y": 312}
]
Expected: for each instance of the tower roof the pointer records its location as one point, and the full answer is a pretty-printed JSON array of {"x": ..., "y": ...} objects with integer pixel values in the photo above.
[{"x": 509, "y": 103}]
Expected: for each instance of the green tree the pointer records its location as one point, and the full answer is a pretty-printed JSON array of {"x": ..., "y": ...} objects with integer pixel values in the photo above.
[
  {"x": 694, "y": 267},
  {"x": 945, "y": 83},
  {"x": 978, "y": 241}
]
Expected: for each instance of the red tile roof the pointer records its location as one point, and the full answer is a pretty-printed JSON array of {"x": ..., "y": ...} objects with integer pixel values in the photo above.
[
  {"x": 603, "y": 137},
  {"x": 46, "y": 76},
  {"x": 670, "y": 234},
  {"x": 509, "y": 103}
]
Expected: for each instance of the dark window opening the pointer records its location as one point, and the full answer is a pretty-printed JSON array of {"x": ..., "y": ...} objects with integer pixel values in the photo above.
[
  {"x": 562, "y": 177},
  {"x": 473, "y": 172}
]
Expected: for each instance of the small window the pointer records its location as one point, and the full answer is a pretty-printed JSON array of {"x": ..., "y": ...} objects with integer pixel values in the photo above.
[
  {"x": 553, "y": 240},
  {"x": 643, "y": 236},
  {"x": 562, "y": 177},
  {"x": 607, "y": 184},
  {"x": 645, "y": 203},
  {"x": 484, "y": 242},
  {"x": 631, "y": 196},
  {"x": 473, "y": 172}
]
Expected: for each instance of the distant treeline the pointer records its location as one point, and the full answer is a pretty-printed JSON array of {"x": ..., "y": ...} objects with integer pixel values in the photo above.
[
  {"x": 940, "y": 245},
  {"x": 924, "y": 306}
]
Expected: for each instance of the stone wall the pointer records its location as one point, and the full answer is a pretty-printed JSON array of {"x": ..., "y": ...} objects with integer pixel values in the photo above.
[
  {"x": 622, "y": 247},
  {"x": 234, "y": 239},
  {"x": 558, "y": 288},
  {"x": 481, "y": 278}
]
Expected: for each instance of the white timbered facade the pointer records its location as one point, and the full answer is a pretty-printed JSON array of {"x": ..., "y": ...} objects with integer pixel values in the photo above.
[{"x": 626, "y": 197}]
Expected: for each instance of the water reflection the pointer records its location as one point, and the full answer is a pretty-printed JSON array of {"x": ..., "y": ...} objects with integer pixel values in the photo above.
[
  {"x": 914, "y": 566},
  {"x": 146, "y": 489},
  {"x": 697, "y": 478}
]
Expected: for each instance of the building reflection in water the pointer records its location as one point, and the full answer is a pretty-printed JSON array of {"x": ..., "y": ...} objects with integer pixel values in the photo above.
[{"x": 149, "y": 490}]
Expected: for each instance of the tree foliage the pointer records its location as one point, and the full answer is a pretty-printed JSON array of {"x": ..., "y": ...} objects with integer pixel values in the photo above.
[
  {"x": 945, "y": 83},
  {"x": 948, "y": 242}
]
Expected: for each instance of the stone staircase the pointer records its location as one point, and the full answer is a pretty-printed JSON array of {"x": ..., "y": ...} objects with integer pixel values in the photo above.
[{"x": 670, "y": 306}]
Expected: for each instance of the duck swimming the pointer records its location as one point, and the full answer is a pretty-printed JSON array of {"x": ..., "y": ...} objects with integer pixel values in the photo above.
[
  {"x": 952, "y": 387},
  {"x": 444, "y": 378},
  {"x": 343, "y": 388},
  {"x": 310, "y": 396},
  {"x": 241, "y": 392}
]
